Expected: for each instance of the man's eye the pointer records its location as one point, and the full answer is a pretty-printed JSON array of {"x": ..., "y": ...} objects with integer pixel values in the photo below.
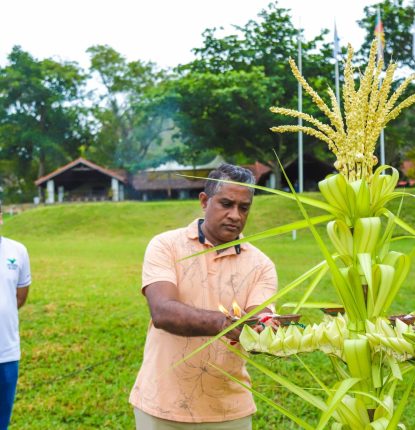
[
  {"x": 244, "y": 208},
  {"x": 226, "y": 204}
]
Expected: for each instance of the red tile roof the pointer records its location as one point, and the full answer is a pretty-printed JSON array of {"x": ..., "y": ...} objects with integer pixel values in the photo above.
[
  {"x": 407, "y": 165},
  {"x": 258, "y": 169},
  {"x": 120, "y": 175}
]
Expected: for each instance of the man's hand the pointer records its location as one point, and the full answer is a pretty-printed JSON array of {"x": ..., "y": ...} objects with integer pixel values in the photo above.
[
  {"x": 234, "y": 333},
  {"x": 264, "y": 320},
  {"x": 170, "y": 314}
]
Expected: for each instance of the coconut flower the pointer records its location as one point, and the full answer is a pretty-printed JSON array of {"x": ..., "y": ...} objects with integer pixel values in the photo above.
[{"x": 352, "y": 136}]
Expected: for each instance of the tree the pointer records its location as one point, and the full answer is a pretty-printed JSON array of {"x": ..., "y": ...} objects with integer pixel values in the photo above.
[
  {"x": 410, "y": 156},
  {"x": 222, "y": 99},
  {"x": 127, "y": 112},
  {"x": 397, "y": 21},
  {"x": 212, "y": 112},
  {"x": 42, "y": 122}
]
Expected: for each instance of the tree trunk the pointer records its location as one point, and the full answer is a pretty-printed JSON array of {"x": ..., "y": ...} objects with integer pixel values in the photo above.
[{"x": 42, "y": 163}]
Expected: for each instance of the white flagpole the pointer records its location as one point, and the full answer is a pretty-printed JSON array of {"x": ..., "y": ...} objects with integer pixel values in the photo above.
[
  {"x": 382, "y": 148},
  {"x": 336, "y": 64},
  {"x": 300, "y": 120},
  {"x": 413, "y": 37},
  {"x": 380, "y": 55},
  {"x": 300, "y": 180},
  {"x": 413, "y": 40}
]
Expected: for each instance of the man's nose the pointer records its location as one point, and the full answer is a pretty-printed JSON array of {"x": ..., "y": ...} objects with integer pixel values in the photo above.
[{"x": 234, "y": 213}]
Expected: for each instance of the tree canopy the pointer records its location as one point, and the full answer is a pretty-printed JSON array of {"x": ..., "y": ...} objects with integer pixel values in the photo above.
[
  {"x": 221, "y": 100},
  {"x": 42, "y": 120},
  {"x": 131, "y": 115},
  {"x": 125, "y": 109}
]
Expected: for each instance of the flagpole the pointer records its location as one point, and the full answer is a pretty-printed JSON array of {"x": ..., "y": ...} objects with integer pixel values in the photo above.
[
  {"x": 380, "y": 56},
  {"x": 300, "y": 120},
  {"x": 382, "y": 148},
  {"x": 413, "y": 38},
  {"x": 300, "y": 180},
  {"x": 336, "y": 63},
  {"x": 336, "y": 71}
]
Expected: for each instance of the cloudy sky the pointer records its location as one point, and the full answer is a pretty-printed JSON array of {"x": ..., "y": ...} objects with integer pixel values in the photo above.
[{"x": 163, "y": 31}]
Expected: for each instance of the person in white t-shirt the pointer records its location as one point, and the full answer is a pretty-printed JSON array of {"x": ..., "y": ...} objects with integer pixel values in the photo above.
[{"x": 15, "y": 280}]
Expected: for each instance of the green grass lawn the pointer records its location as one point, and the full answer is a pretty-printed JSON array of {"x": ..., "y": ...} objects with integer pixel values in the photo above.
[{"x": 83, "y": 328}]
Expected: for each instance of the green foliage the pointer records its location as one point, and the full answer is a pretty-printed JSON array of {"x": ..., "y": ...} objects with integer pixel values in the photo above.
[
  {"x": 221, "y": 100},
  {"x": 226, "y": 112},
  {"x": 399, "y": 137},
  {"x": 397, "y": 19},
  {"x": 410, "y": 155},
  {"x": 41, "y": 121},
  {"x": 127, "y": 112}
]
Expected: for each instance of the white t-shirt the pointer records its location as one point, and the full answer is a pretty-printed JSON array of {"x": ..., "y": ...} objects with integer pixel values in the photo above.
[{"x": 14, "y": 273}]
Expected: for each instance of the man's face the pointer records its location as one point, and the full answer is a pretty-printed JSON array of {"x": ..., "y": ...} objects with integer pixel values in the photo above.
[{"x": 225, "y": 213}]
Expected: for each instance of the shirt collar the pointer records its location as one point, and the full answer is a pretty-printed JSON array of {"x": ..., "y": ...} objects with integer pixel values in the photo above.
[{"x": 194, "y": 230}]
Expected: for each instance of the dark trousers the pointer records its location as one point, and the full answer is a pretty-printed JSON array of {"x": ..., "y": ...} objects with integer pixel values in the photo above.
[{"x": 8, "y": 381}]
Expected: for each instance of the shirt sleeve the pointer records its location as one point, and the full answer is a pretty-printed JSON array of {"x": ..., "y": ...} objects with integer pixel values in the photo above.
[
  {"x": 25, "y": 278},
  {"x": 265, "y": 286},
  {"x": 159, "y": 262}
]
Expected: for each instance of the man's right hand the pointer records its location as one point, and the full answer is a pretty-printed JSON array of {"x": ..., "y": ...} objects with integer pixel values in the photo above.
[{"x": 172, "y": 315}]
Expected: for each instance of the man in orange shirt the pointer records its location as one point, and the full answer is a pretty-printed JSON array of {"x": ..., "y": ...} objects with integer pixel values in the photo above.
[{"x": 183, "y": 296}]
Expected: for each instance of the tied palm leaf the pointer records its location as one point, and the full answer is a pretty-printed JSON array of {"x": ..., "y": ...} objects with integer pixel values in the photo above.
[{"x": 369, "y": 355}]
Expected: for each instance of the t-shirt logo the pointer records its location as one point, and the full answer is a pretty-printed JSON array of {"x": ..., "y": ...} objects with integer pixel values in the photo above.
[{"x": 11, "y": 264}]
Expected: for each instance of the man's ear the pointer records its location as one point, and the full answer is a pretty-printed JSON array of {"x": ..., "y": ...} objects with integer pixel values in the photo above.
[{"x": 203, "y": 198}]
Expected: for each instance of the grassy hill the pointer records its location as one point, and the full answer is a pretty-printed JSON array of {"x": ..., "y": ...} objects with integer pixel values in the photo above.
[
  {"x": 127, "y": 218},
  {"x": 83, "y": 328}
]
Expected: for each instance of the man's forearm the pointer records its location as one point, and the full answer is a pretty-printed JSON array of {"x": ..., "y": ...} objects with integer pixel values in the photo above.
[
  {"x": 183, "y": 320},
  {"x": 21, "y": 296}
]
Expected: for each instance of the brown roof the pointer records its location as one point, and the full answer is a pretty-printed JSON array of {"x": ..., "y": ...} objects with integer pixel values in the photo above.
[
  {"x": 406, "y": 166},
  {"x": 163, "y": 180},
  {"x": 258, "y": 169},
  {"x": 152, "y": 181},
  {"x": 120, "y": 175}
]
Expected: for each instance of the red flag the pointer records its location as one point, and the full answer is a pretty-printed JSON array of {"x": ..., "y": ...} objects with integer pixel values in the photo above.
[{"x": 380, "y": 34}]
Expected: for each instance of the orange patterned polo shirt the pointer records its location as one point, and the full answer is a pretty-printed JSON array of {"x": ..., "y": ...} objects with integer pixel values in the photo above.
[{"x": 194, "y": 391}]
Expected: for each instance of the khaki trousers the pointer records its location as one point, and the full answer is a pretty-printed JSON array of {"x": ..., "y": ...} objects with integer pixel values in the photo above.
[{"x": 144, "y": 421}]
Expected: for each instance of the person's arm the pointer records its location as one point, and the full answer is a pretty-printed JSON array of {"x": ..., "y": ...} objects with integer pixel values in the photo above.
[
  {"x": 173, "y": 316},
  {"x": 21, "y": 295},
  {"x": 24, "y": 280}
]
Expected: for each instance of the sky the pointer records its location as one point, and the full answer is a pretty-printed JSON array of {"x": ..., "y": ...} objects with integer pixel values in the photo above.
[{"x": 162, "y": 31}]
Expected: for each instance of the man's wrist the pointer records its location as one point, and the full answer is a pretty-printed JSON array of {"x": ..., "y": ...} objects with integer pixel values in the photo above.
[{"x": 232, "y": 334}]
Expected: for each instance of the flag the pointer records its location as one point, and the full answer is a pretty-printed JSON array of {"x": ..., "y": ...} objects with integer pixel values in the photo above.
[
  {"x": 336, "y": 51},
  {"x": 380, "y": 34},
  {"x": 336, "y": 40},
  {"x": 412, "y": 30}
]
